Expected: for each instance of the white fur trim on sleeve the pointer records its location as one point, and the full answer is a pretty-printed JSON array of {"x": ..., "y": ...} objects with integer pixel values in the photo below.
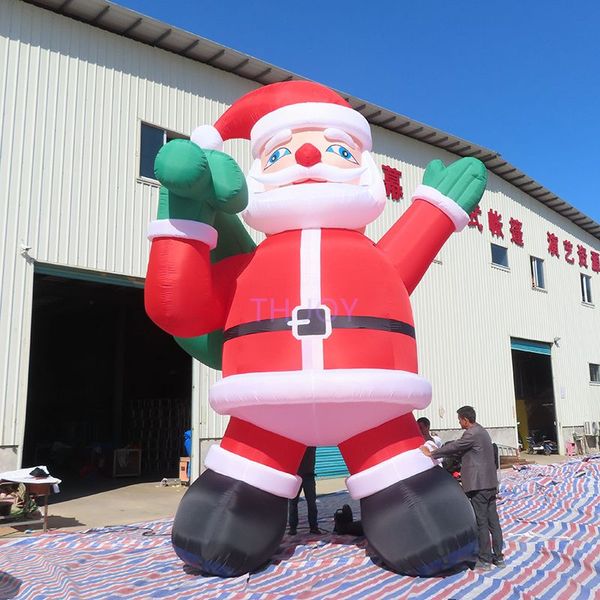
[
  {"x": 183, "y": 228},
  {"x": 284, "y": 485},
  {"x": 207, "y": 136},
  {"x": 388, "y": 472},
  {"x": 448, "y": 206}
]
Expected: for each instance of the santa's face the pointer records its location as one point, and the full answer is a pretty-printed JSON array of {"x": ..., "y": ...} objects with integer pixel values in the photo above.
[
  {"x": 319, "y": 149},
  {"x": 312, "y": 178}
]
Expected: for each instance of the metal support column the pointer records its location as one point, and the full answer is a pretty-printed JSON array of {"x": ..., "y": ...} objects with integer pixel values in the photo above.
[{"x": 196, "y": 421}]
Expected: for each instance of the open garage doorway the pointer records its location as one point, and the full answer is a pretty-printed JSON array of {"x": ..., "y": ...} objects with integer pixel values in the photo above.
[
  {"x": 534, "y": 392},
  {"x": 109, "y": 393}
]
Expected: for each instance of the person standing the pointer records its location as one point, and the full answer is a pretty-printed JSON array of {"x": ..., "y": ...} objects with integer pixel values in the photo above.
[
  {"x": 306, "y": 470},
  {"x": 424, "y": 424},
  {"x": 480, "y": 482}
]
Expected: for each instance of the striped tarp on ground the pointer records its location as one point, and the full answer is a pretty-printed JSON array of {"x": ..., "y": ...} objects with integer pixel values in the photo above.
[{"x": 550, "y": 517}]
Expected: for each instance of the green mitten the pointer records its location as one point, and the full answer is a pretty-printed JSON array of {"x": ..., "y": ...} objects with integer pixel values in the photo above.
[
  {"x": 208, "y": 348},
  {"x": 197, "y": 183},
  {"x": 209, "y": 187},
  {"x": 463, "y": 181}
]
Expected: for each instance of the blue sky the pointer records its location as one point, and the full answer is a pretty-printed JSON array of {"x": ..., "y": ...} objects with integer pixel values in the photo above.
[{"x": 519, "y": 77}]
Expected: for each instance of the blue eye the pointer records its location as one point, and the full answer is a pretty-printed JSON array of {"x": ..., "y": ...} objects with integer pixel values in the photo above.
[
  {"x": 276, "y": 155},
  {"x": 342, "y": 151}
]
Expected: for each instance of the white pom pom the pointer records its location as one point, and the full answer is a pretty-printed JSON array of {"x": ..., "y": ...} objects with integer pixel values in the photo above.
[{"x": 206, "y": 136}]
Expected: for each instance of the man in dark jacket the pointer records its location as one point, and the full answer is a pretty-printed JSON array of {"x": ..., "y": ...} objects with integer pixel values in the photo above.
[
  {"x": 480, "y": 482},
  {"x": 306, "y": 470}
]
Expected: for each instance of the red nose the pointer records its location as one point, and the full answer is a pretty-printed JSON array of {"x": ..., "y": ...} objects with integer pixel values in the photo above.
[{"x": 307, "y": 155}]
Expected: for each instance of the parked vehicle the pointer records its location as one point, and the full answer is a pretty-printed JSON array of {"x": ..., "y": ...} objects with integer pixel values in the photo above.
[{"x": 545, "y": 446}]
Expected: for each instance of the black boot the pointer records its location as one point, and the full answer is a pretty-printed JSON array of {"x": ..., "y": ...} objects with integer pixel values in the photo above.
[
  {"x": 423, "y": 525},
  {"x": 226, "y": 527}
]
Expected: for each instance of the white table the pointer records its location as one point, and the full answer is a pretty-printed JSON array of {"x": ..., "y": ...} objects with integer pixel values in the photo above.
[{"x": 36, "y": 486}]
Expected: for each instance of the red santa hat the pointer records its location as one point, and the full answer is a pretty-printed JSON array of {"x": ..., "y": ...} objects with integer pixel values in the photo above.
[{"x": 262, "y": 113}]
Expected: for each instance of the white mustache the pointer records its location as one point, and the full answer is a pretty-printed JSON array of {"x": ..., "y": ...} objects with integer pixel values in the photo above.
[{"x": 294, "y": 173}]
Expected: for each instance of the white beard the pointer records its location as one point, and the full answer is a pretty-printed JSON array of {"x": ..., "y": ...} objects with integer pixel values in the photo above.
[{"x": 316, "y": 205}]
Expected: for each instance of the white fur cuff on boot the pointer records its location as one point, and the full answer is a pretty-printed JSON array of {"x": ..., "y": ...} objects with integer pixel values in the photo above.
[
  {"x": 388, "y": 472},
  {"x": 255, "y": 474}
]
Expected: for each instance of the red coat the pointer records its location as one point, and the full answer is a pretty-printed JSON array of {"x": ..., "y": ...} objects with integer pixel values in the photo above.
[{"x": 353, "y": 360}]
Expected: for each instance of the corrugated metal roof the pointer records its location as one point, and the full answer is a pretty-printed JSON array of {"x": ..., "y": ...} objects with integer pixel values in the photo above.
[{"x": 128, "y": 23}]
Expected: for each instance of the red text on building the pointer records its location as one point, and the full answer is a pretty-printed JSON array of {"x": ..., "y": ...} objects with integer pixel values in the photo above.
[
  {"x": 568, "y": 246},
  {"x": 516, "y": 232},
  {"x": 495, "y": 223},
  {"x": 582, "y": 255},
  {"x": 391, "y": 180},
  {"x": 595, "y": 258},
  {"x": 552, "y": 244},
  {"x": 474, "y": 219}
]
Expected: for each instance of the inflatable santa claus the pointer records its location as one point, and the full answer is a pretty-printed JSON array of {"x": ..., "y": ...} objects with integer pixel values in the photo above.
[{"x": 313, "y": 327}]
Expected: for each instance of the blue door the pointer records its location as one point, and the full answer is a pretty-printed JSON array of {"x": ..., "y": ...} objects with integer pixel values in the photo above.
[
  {"x": 329, "y": 463},
  {"x": 531, "y": 346}
]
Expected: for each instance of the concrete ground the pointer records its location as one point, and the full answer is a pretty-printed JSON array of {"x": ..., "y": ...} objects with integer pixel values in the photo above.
[
  {"x": 129, "y": 503},
  {"x": 119, "y": 506},
  {"x": 540, "y": 459},
  {"x": 136, "y": 502}
]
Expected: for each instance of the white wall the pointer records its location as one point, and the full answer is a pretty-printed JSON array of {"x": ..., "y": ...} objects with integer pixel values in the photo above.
[
  {"x": 466, "y": 311},
  {"x": 71, "y": 101}
]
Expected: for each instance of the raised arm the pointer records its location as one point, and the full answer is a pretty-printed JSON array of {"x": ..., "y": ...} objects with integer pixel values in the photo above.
[
  {"x": 184, "y": 293},
  {"x": 440, "y": 205}
]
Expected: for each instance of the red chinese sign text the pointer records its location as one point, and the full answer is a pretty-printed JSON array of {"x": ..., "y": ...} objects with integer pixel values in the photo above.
[
  {"x": 391, "y": 180},
  {"x": 582, "y": 255},
  {"x": 595, "y": 258},
  {"x": 474, "y": 218},
  {"x": 552, "y": 244},
  {"x": 516, "y": 232},
  {"x": 568, "y": 246},
  {"x": 495, "y": 223}
]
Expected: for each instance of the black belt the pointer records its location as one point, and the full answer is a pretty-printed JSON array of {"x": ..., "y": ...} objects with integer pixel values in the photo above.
[{"x": 316, "y": 325}]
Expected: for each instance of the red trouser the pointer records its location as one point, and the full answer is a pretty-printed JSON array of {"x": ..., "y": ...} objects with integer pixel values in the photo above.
[{"x": 360, "y": 452}]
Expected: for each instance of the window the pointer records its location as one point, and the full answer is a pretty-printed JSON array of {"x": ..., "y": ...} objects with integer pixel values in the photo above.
[
  {"x": 594, "y": 373},
  {"x": 152, "y": 139},
  {"x": 537, "y": 273},
  {"x": 499, "y": 256},
  {"x": 586, "y": 288}
]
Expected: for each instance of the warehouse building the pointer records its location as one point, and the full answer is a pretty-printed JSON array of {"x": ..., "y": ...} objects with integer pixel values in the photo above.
[{"x": 506, "y": 318}]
